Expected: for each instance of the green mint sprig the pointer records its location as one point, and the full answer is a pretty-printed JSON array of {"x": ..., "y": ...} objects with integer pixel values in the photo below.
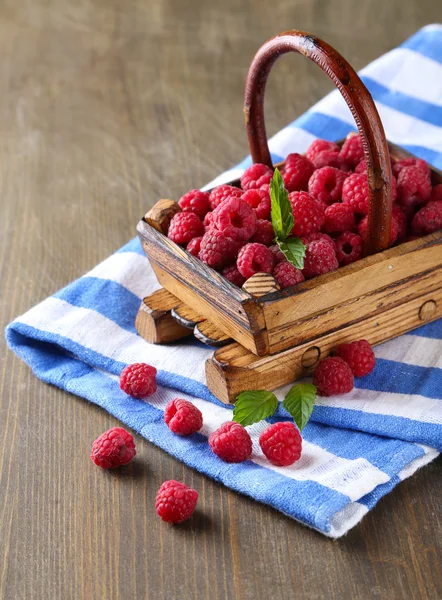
[{"x": 283, "y": 222}]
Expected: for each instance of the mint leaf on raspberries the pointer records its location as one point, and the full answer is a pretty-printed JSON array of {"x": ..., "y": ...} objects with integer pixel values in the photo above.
[
  {"x": 299, "y": 402},
  {"x": 281, "y": 213},
  {"x": 254, "y": 406},
  {"x": 294, "y": 251}
]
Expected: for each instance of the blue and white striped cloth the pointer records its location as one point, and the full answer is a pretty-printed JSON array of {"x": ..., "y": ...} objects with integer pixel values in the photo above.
[{"x": 356, "y": 447}]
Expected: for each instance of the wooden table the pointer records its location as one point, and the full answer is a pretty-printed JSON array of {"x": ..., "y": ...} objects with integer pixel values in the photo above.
[{"x": 105, "y": 106}]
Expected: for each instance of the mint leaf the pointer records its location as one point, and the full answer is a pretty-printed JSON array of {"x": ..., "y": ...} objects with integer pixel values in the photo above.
[
  {"x": 254, "y": 406},
  {"x": 281, "y": 214},
  {"x": 294, "y": 251},
  {"x": 299, "y": 402}
]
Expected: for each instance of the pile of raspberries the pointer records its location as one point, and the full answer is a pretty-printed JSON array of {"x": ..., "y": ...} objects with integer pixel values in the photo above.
[{"x": 230, "y": 230}]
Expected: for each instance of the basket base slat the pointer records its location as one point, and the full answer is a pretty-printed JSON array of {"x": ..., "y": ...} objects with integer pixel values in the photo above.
[{"x": 154, "y": 321}]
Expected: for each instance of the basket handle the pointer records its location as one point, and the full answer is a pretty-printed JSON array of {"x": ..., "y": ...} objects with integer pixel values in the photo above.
[{"x": 361, "y": 105}]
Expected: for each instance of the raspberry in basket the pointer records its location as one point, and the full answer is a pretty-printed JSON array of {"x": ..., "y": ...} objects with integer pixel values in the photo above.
[
  {"x": 138, "y": 380},
  {"x": 194, "y": 246},
  {"x": 175, "y": 501},
  {"x": 231, "y": 442},
  {"x": 255, "y": 258},
  {"x": 281, "y": 443},
  {"x": 208, "y": 221},
  {"x": 297, "y": 172},
  {"x": 236, "y": 219},
  {"x": 320, "y": 258},
  {"x": 287, "y": 275},
  {"x": 277, "y": 253},
  {"x": 355, "y": 193},
  {"x": 333, "y": 376},
  {"x": 359, "y": 356},
  {"x": 113, "y": 448},
  {"x": 220, "y": 193},
  {"x": 233, "y": 275},
  {"x": 183, "y": 417},
  {"x": 410, "y": 162},
  {"x": 308, "y": 213},
  {"x": 402, "y": 222},
  {"x": 264, "y": 233},
  {"x": 319, "y": 146},
  {"x": 348, "y": 247},
  {"x": 326, "y": 185},
  {"x": 352, "y": 151},
  {"x": 183, "y": 227},
  {"x": 195, "y": 201},
  {"x": 436, "y": 192},
  {"x": 216, "y": 249},
  {"x": 428, "y": 219},
  {"x": 363, "y": 226},
  {"x": 259, "y": 200},
  {"x": 339, "y": 217},
  {"x": 256, "y": 176},
  {"x": 413, "y": 186}
]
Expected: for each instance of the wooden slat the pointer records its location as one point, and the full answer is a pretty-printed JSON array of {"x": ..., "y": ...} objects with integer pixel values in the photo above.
[
  {"x": 209, "y": 334},
  {"x": 154, "y": 321},
  {"x": 186, "y": 316},
  {"x": 233, "y": 369},
  {"x": 160, "y": 215},
  {"x": 260, "y": 284}
]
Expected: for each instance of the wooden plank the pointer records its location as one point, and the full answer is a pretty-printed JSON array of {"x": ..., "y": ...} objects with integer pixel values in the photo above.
[
  {"x": 154, "y": 321},
  {"x": 209, "y": 334},
  {"x": 160, "y": 215},
  {"x": 232, "y": 369},
  {"x": 260, "y": 284},
  {"x": 186, "y": 316}
]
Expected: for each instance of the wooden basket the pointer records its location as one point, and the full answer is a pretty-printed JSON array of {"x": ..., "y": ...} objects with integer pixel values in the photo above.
[{"x": 270, "y": 337}]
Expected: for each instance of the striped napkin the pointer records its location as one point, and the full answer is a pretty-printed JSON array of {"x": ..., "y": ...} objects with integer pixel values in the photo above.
[{"x": 357, "y": 447}]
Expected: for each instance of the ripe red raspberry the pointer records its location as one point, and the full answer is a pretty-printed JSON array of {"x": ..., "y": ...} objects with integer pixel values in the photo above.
[
  {"x": 414, "y": 187},
  {"x": 339, "y": 217},
  {"x": 259, "y": 200},
  {"x": 138, "y": 380},
  {"x": 281, "y": 443},
  {"x": 330, "y": 158},
  {"x": 256, "y": 176},
  {"x": 208, "y": 221},
  {"x": 236, "y": 219},
  {"x": 255, "y": 258},
  {"x": 352, "y": 151},
  {"x": 318, "y": 146},
  {"x": 314, "y": 237},
  {"x": 277, "y": 253},
  {"x": 264, "y": 233},
  {"x": 410, "y": 162},
  {"x": 296, "y": 172},
  {"x": 308, "y": 213},
  {"x": 113, "y": 448},
  {"x": 359, "y": 356},
  {"x": 355, "y": 193},
  {"x": 320, "y": 258},
  {"x": 217, "y": 250},
  {"x": 194, "y": 245},
  {"x": 287, "y": 275},
  {"x": 333, "y": 376},
  {"x": 402, "y": 222},
  {"x": 436, "y": 192},
  {"x": 428, "y": 219},
  {"x": 362, "y": 166},
  {"x": 348, "y": 247},
  {"x": 326, "y": 185},
  {"x": 195, "y": 201},
  {"x": 183, "y": 417},
  {"x": 233, "y": 275},
  {"x": 175, "y": 501},
  {"x": 231, "y": 442},
  {"x": 183, "y": 227},
  {"x": 394, "y": 231},
  {"x": 221, "y": 193}
]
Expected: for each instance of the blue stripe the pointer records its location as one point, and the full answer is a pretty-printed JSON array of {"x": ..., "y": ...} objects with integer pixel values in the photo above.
[
  {"x": 323, "y": 126},
  {"x": 133, "y": 246},
  {"x": 371, "y": 499},
  {"x": 430, "y": 330},
  {"x": 426, "y": 42}
]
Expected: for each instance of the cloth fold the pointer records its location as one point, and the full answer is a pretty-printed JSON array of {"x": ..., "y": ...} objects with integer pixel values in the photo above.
[{"x": 356, "y": 447}]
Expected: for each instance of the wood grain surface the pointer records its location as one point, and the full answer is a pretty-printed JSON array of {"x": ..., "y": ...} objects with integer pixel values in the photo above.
[{"x": 106, "y": 106}]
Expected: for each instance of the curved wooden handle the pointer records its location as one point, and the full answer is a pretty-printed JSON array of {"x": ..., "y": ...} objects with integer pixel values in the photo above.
[{"x": 361, "y": 105}]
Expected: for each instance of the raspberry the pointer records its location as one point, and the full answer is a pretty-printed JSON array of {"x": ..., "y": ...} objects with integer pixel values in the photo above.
[
  {"x": 352, "y": 151},
  {"x": 320, "y": 258},
  {"x": 208, "y": 220},
  {"x": 326, "y": 185},
  {"x": 182, "y": 417},
  {"x": 217, "y": 250},
  {"x": 330, "y": 158},
  {"x": 256, "y": 176},
  {"x": 414, "y": 187},
  {"x": 333, "y": 376},
  {"x": 394, "y": 231},
  {"x": 183, "y": 227},
  {"x": 277, "y": 253},
  {"x": 236, "y": 219},
  {"x": 255, "y": 258},
  {"x": 287, "y": 275},
  {"x": 402, "y": 222},
  {"x": 175, "y": 501},
  {"x": 259, "y": 200},
  {"x": 359, "y": 356},
  {"x": 339, "y": 217},
  {"x": 428, "y": 219},
  {"x": 436, "y": 192},
  {"x": 348, "y": 247},
  {"x": 296, "y": 172},
  {"x": 195, "y": 201},
  {"x": 308, "y": 213},
  {"x": 113, "y": 448},
  {"x": 138, "y": 380},
  {"x": 410, "y": 162},
  {"x": 281, "y": 443},
  {"x": 319, "y": 146},
  {"x": 355, "y": 193},
  {"x": 194, "y": 246},
  {"x": 220, "y": 193},
  {"x": 264, "y": 233},
  {"x": 233, "y": 275},
  {"x": 231, "y": 442},
  {"x": 362, "y": 168}
]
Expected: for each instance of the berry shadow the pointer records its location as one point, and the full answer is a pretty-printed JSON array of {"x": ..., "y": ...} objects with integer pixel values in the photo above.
[{"x": 136, "y": 469}]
